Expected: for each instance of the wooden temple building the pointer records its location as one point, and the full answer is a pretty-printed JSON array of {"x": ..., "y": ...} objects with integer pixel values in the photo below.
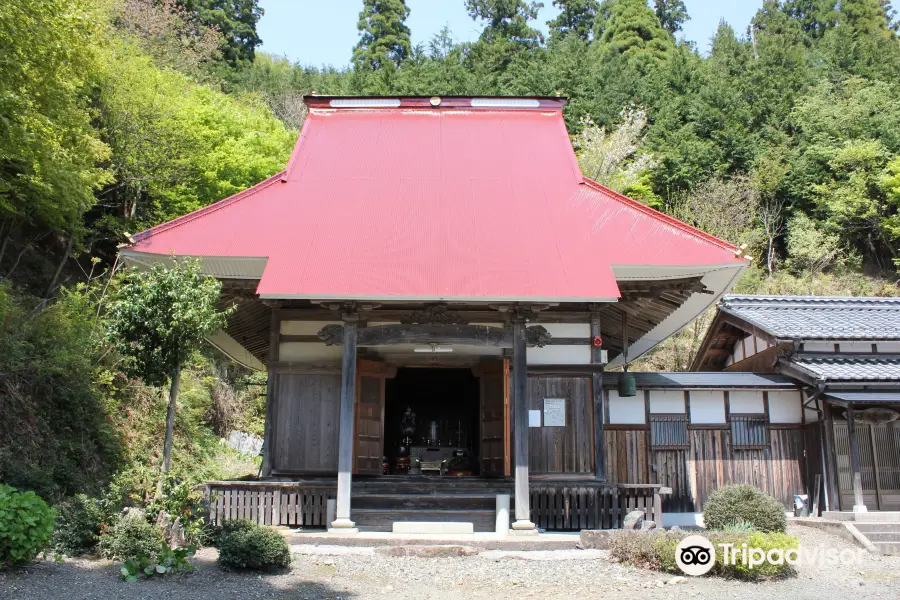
[{"x": 436, "y": 290}]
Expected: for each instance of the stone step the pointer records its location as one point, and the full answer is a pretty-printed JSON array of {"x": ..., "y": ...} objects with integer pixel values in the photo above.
[
  {"x": 882, "y": 536},
  {"x": 888, "y": 548},
  {"x": 375, "y": 519},
  {"x": 865, "y": 527},
  {"x": 471, "y": 500}
]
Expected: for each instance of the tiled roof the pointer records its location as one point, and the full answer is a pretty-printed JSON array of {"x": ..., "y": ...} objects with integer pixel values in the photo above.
[
  {"x": 818, "y": 317},
  {"x": 844, "y": 367}
]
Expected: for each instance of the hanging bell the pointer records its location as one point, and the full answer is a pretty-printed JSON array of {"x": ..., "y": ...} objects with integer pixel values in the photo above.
[{"x": 627, "y": 385}]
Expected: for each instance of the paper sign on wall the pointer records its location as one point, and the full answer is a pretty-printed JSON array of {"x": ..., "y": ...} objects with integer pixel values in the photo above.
[
  {"x": 534, "y": 418},
  {"x": 554, "y": 412}
]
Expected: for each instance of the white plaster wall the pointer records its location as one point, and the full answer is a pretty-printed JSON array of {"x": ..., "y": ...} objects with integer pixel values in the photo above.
[
  {"x": 818, "y": 346},
  {"x": 305, "y": 327},
  {"x": 738, "y": 351},
  {"x": 309, "y": 352},
  {"x": 745, "y": 401},
  {"x": 707, "y": 407},
  {"x": 856, "y": 346},
  {"x": 761, "y": 344},
  {"x": 562, "y": 355},
  {"x": 889, "y": 347},
  {"x": 811, "y": 415},
  {"x": 748, "y": 346},
  {"x": 626, "y": 411},
  {"x": 666, "y": 401},
  {"x": 786, "y": 407}
]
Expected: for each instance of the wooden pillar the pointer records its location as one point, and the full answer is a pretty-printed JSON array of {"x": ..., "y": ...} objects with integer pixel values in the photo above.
[
  {"x": 832, "y": 488},
  {"x": 271, "y": 396},
  {"x": 858, "y": 504},
  {"x": 342, "y": 520},
  {"x": 597, "y": 389},
  {"x": 520, "y": 416}
]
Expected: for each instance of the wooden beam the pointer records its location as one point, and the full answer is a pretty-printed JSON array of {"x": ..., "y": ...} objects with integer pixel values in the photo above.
[
  {"x": 345, "y": 428},
  {"x": 467, "y": 335},
  {"x": 556, "y": 341},
  {"x": 859, "y": 504},
  {"x": 520, "y": 417},
  {"x": 597, "y": 392}
]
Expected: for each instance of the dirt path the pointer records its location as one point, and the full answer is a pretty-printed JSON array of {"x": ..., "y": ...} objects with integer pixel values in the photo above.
[{"x": 361, "y": 573}]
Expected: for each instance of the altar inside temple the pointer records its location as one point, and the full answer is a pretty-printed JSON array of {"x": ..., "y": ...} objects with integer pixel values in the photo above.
[{"x": 431, "y": 422}]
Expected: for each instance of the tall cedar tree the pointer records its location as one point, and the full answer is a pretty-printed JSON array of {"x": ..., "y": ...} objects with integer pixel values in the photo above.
[
  {"x": 632, "y": 30},
  {"x": 236, "y": 20},
  {"x": 383, "y": 34},
  {"x": 671, "y": 14},
  {"x": 576, "y": 17},
  {"x": 507, "y": 20}
]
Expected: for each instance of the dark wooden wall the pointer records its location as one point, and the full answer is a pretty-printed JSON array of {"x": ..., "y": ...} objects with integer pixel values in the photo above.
[
  {"x": 710, "y": 462},
  {"x": 306, "y": 423},
  {"x": 560, "y": 450}
]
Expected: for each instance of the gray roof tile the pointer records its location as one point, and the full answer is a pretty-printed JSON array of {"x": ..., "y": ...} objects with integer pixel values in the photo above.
[
  {"x": 818, "y": 317},
  {"x": 844, "y": 367}
]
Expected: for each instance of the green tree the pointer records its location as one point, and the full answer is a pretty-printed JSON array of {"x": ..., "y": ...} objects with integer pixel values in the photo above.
[
  {"x": 383, "y": 34},
  {"x": 236, "y": 20},
  {"x": 157, "y": 318},
  {"x": 178, "y": 146},
  {"x": 633, "y": 31},
  {"x": 862, "y": 43},
  {"x": 50, "y": 155},
  {"x": 672, "y": 14},
  {"x": 576, "y": 17}
]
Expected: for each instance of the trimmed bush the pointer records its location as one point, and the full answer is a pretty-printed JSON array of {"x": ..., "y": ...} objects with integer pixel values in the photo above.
[
  {"x": 656, "y": 550},
  {"x": 245, "y": 545},
  {"x": 735, "y": 504},
  {"x": 26, "y": 524},
  {"x": 78, "y": 521},
  {"x": 131, "y": 536}
]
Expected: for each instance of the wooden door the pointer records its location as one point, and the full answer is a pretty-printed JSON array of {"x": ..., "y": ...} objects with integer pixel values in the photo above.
[
  {"x": 495, "y": 418},
  {"x": 369, "y": 446}
]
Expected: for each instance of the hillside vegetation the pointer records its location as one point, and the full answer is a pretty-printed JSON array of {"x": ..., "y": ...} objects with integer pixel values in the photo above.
[{"x": 116, "y": 115}]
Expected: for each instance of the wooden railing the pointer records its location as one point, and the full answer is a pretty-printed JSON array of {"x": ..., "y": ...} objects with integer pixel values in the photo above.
[
  {"x": 555, "y": 505},
  {"x": 269, "y": 502},
  {"x": 566, "y": 506}
]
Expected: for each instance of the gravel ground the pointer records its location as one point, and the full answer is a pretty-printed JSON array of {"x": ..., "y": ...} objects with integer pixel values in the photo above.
[{"x": 328, "y": 572}]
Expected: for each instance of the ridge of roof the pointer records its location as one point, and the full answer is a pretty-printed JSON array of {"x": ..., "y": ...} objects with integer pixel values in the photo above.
[
  {"x": 389, "y": 102},
  {"x": 749, "y": 300},
  {"x": 210, "y": 208},
  {"x": 661, "y": 216}
]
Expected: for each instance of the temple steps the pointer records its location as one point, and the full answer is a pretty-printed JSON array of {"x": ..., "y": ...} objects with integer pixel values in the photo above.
[
  {"x": 378, "y": 503},
  {"x": 382, "y": 519}
]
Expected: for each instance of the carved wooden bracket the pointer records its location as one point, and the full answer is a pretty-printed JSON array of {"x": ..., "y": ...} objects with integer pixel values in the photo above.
[
  {"x": 332, "y": 335},
  {"x": 538, "y": 336},
  {"x": 435, "y": 314}
]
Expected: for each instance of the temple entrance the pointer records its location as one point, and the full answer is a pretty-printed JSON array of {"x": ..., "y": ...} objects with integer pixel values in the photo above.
[{"x": 432, "y": 422}]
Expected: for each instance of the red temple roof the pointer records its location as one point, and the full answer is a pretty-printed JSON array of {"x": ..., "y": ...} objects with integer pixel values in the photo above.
[{"x": 472, "y": 199}]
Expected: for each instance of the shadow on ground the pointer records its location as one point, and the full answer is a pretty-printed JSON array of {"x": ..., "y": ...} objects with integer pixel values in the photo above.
[{"x": 83, "y": 579}]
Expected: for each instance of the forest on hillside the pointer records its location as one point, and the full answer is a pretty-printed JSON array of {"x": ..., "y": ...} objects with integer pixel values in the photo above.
[{"x": 116, "y": 115}]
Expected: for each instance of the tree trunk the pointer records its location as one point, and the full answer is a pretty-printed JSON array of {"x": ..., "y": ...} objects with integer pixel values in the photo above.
[
  {"x": 62, "y": 263},
  {"x": 170, "y": 420}
]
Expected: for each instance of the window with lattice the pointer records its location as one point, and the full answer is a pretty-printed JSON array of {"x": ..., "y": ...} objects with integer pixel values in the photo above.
[
  {"x": 749, "y": 432},
  {"x": 668, "y": 431}
]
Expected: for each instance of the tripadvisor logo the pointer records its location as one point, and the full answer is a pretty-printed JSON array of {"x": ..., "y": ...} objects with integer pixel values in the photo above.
[{"x": 695, "y": 555}]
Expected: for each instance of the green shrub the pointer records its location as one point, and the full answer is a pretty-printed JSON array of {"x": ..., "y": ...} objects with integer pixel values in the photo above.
[
  {"x": 131, "y": 536},
  {"x": 229, "y": 527},
  {"x": 26, "y": 524},
  {"x": 744, "y": 504},
  {"x": 78, "y": 522},
  {"x": 164, "y": 560},
  {"x": 656, "y": 550},
  {"x": 245, "y": 545}
]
